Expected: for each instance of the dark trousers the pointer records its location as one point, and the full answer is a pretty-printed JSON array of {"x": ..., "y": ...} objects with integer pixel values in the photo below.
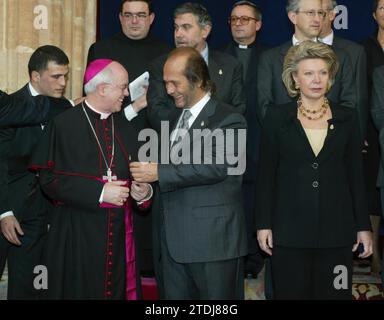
[
  {"x": 254, "y": 260},
  {"x": 23, "y": 259},
  {"x": 217, "y": 280},
  {"x": 304, "y": 274}
]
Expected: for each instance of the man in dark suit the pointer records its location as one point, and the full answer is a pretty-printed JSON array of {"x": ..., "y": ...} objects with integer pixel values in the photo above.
[
  {"x": 245, "y": 22},
  {"x": 307, "y": 17},
  {"x": 378, "y": 119},
  {"x": 193, "y": 25},
  {"x": 26, "y": 110},
  {"x": 201, "y": 224},
  {"x": 22, "y": 205},
  {"x": 356, "y": 56},
  {"x": 134, "y": 47}
]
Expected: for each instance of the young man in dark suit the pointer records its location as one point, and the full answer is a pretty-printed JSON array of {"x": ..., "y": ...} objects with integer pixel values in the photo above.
[
  {"x": 23, "y": 214},
  {"x": 26, "y": 110},
  {"x": 201, "y": 225}
]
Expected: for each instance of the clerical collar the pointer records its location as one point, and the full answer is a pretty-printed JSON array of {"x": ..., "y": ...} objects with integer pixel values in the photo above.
[
  {"x": 243, "y": 46},
  {"x": 204, "y": 53},
  {"x": 103, "y": 115},
  {"x": 32, "y": 90},
  {"x": 296, "y": 41},
  {"x": 328, "y": 39}
]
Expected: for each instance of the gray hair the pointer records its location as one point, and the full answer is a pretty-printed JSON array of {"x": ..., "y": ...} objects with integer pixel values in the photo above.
[
  {"x": 104, "y": 76},
  {"x": 199, "y": 11},
  {"x": 293, "y": 5},
  {"x": 332, "y": 4}
]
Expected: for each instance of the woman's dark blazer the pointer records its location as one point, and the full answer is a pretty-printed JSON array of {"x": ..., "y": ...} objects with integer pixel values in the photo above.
[{"x": 309, "y": 201}]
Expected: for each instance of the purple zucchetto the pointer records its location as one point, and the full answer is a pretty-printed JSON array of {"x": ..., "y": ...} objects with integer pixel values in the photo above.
[{"x": 94, "y": 67}]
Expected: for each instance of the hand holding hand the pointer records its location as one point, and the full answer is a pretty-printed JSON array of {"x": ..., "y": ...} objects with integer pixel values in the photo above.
[
  {"x": 144, "y": 171},
  {"x": 116, "y": 192},
  {"x": 139, "y": 191}
]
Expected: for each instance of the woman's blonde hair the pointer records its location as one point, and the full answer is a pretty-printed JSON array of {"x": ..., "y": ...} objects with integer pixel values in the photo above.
[{"x": 303, "y": 51}]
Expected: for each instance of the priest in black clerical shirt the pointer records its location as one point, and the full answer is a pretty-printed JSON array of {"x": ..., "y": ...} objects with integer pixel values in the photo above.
[
  {"x": 134, "y": 47},
  {"x": 245, "y": 22}
]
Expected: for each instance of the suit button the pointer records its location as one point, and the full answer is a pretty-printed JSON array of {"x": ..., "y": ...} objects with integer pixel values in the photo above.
[
  {"x": 315, "y": 184},
  {"x": 315, "y": 165}
]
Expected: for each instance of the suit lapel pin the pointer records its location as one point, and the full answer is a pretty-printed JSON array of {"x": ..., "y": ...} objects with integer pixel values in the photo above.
[
  {"x": 202, "y": 124},
  {"x": 220, "y": 72},
  {"x": 332, "y": 127}
]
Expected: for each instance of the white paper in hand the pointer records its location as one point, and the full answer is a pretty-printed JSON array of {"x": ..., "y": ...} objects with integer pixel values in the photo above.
[{"x": 137, "y": 86}]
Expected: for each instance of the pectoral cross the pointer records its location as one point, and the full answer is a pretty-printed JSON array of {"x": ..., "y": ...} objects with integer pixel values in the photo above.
[{"x": 109, "y": 176}]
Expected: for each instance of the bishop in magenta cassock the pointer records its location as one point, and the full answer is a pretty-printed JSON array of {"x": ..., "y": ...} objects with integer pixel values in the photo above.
[{"x": 83, "y": 164}]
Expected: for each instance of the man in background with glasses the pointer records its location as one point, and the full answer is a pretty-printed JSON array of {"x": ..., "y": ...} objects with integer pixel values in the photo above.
[
  {"x": 134, "y": 47},
  {"x": 307, "y": 17},
  {"x": 357, "y": 57},
  {"x": 245, "y": 22},
  {"x": 192, "y": 26}
]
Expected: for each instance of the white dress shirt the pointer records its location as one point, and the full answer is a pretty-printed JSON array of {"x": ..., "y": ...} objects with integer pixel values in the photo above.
[
  {"x": 328, "y": 39},
  {"x": 296, "y": 41},
  {"x": 34, "y": 93}
]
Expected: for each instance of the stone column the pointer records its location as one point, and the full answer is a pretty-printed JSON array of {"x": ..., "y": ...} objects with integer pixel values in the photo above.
[{"x": 28, "y": 24}]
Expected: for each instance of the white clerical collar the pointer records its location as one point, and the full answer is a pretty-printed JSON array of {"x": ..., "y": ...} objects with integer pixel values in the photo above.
[
  {"x": 196, "y": 108},
  {"x": 328, "y": 39},
  {"x": 32, "y": 90},
  {"x": 243, "y": 46},
  {"x": 204, "y": 53},
  {"x": 296, "y": 41},
  {"x": 103, "y": 115}
]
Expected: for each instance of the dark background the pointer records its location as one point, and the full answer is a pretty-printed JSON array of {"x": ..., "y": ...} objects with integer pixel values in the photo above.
[{"x": 276, "y": 26}]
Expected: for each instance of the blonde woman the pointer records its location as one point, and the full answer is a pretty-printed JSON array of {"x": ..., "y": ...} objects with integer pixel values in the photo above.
[{"x": 311, "y": 210}]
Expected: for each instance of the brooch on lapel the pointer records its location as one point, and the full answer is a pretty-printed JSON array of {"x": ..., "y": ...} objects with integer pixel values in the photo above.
[
  {"x": 331, "y": 127},
  {"x": 220, "y": 72}
]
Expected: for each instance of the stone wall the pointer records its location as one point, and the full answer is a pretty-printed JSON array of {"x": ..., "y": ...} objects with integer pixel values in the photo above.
[{"x": 28, "y": 24}]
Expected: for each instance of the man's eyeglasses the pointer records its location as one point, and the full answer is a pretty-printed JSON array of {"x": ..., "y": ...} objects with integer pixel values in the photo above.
[
  {"x": 244, "y": 20},
  {"x": 314, "y": 13},
  {"x": 130, "y": 16}
]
